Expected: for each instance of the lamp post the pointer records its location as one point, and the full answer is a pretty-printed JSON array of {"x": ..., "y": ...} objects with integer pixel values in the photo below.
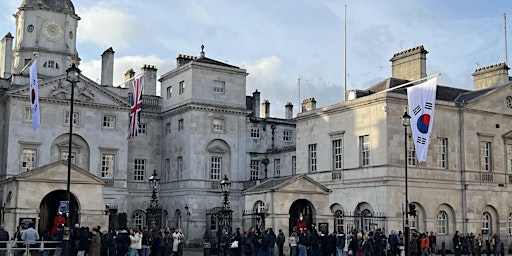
[
  {"x": 406, "y": 122},
  {"x": 72, "y": 76},
  {"x": 154, "y": 216},
  {"x": 225, "y": 213}
]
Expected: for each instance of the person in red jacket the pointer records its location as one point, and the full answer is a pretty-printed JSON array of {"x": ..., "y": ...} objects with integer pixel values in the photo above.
[
  {"x": 59, "y": 219},
  {"x": 424, "y": 245}
]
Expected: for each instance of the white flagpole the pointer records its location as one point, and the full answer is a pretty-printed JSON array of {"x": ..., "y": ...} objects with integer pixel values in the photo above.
[{"x": 408, "y": 83}]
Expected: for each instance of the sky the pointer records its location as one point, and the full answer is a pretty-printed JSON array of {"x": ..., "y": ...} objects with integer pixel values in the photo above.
[{"x": 280, "y": 42}]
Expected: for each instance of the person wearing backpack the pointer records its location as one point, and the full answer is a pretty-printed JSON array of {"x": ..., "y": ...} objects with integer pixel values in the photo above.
[
  {"x": 147, "y": 239},
  {"x": 340, "y": 243},
  {"x": 280, "y": 242}
]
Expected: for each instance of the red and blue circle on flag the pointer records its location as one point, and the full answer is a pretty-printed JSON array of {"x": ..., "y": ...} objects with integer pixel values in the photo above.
[{"x": 423, "y": 123}]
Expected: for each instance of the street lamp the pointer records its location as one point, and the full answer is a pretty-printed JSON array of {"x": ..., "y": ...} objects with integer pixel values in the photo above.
[
  {"x": 72, "y": 76},
  {"x": 225, "y": 213},
  {"x": 154, "y": 212},
  {"x": 406, "y": 122}
]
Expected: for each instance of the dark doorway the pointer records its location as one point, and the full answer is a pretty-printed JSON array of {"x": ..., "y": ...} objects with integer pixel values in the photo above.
[
  {"x": 50, "y": 206},
  {"x": 301, "y": 208}
]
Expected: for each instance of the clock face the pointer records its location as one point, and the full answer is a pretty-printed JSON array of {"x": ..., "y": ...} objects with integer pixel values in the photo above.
[{"x": 52, "y": 30}]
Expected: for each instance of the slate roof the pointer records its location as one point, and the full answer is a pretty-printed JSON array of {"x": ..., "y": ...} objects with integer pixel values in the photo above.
[{"x": 213, "y": 62}]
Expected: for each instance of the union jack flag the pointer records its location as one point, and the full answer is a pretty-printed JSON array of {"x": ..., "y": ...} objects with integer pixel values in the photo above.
[{"x": 136, "y": 106}]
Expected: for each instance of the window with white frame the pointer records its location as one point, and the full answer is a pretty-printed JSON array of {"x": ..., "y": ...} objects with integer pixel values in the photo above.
[
  {"x": 337, "y": 154},
  {"x": 287, "y": 135},
  {"x": 485, "y": 156},
  {"x": 367, "y": 219},
  {"x": 442, "y": 152},
  {"x": 486, "y": 223},
  {"x": 27, "y": 114},
  {"x": 219, "y": 86},
  {"x": 142, "y": 128},
  {"x": 51, "y": 64},
  {"x": 179, "y": 167},
  {"x": 411, "y": 151},
  {"x": 215, "y": 167},
  {"x": 76, "y": 118},
  {"x": 413, "y": 222},
  {"x": 138, "y": 219},
  {"x": 277, "y": 167},
  {"x": 167, "y": 169},
  {"x": 180, "y": 125},
  {"x": 312, "y": 157},
  {"x": 364, "y": 150},
  {"x": 109, "y": 122},
  {"x": 442, "y": 222},
  {"x": 107, "y": 165},
  {"x": 218, "y": 125},
  {"x": 255, "y": 132},
  {"x": 28, "y": 159},
  {"x": 169, "y": 92},
  {"x": 254, "y": 170},
  {"x": 65, "y": 156},
  {"x": 294, "y": 165},
  {"x": 181, "y": 87},
  {"x": 338, "y": 221},
  {"x": 168, "y": 128},
  {"x": 139, "y": 169}
]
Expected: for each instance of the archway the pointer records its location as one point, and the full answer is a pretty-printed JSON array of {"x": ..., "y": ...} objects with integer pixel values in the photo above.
[
  {"x": 301, "y": 208},
  {"x": 50, "y": 206}
]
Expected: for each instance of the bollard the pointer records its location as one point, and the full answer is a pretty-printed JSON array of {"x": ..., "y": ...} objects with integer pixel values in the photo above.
[{"x": 443, "y": 249}]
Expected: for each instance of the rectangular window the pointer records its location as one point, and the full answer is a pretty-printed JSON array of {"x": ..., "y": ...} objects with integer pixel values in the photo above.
[
  {"x": 215, "y": 167},
  {"x": 180, "y": 125},
  {"x": 142, "y": 128},
  {"x": 485, "y": 156},
  {"x": 255, "y": 132},
  {"x": 442, "y": 152},
  {"x": 411, "y": 152},
  {"x": 109, "y": 122},
  {"x": 65, "y": 156},
  {"x": 218, "y": 86},
  {"x": 312, "y": 157},
  {"x": 76, "y": 118},
  {"x": 287, "y": 135},
  {"x": 168, "y": 128},
  {"x": 277, "y": 167},
  {"x": 254, "y": 169},
  {"x": 364, "y": 150},
  {"x": 218, "y": 125},
  {"x": 107, "y": 165},
  {"x": 139, "y": 169},
  {"x": 509, "y": 158},
  {"x": 167, "y": 169},
  {"x": 28, "y": 159},
  {"x": 182, "y": 87},
  {"x": 337, "y": 154},
  {"x": 179, "y": 167},
  {"x": 27, "y": 114},
  {"x": 169, "y": 92},
  {"x": 294, "y": 165}
]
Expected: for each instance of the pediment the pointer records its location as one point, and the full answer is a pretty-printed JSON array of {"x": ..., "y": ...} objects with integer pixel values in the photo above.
[
  {"x": 494, "y": 100},
  {"x": 86, "y": 91},
  {"x": 301, "y": 184},
  {"x": 57, "y": 172}
]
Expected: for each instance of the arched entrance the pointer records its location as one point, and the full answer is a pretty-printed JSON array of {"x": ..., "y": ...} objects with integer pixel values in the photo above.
[
  {"x": 301, "y": 208},
  {"x": 50, "y": 206}
]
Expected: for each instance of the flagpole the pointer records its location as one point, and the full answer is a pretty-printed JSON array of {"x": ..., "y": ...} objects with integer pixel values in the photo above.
[
  {"x": 28, "y": 64},
  {"x": 408, "y": 83},
  {"x": 129, "y": 80}
]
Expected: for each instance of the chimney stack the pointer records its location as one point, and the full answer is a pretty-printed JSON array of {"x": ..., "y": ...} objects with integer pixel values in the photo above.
[
  {"x": 288, "y": 113},
  {"x": 149, "y": 80},
  {"x": 107, "y": 67},
  {"x": 128, "y": 76},
  {"x": 410, "y": 64},
  {"x": 266, "y": 108},
  {"x": 6, "y": 61},
  {"x": 490, "y": 76},
  {"x": 184, "y": 59},
  {"x": 308, "y": 104},
  {"x": 256, "y": 103}
]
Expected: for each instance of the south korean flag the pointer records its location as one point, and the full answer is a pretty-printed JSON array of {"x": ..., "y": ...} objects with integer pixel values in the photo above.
[{"x": 422, "y": 98}]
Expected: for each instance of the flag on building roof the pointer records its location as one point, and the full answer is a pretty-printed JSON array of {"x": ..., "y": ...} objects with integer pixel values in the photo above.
[
  {"x": 422, "y": 99},
  {"x": 136, "y": 106},
  {"x": 34, "y": 96}
]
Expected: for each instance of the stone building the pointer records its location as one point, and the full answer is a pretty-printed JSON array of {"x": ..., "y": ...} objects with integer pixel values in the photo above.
[{"x": 338, "y": 166}]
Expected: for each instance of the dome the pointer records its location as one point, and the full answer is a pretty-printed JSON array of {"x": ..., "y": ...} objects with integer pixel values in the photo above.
[{"x": 62, "y": 5}]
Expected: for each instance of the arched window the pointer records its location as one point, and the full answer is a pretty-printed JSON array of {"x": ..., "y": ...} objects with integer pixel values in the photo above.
[
  {"x": 138, "y": 219},
  {"x": 486, "y": 224},
  {"x": 338, "y": 221},
  {"x": 442, "y": 222},
  {"x": 367, "y": 218},
  {"x": 509, "y": 224},
  {"x": 178, "y": 219}
]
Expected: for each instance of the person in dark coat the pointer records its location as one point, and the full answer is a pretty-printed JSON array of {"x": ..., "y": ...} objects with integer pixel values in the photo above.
[
  {"x": 122, "y": 242},
  {"x": 248, "y": 242},
  {"x": 158, "y": 245},
  {"x": 4, "y": 239},
  {"x": 237, "y": 236},
  {"x": 270, "y": 242},
  {"x": 331, "y": 244},
  {"x": 280, "y": 242}
]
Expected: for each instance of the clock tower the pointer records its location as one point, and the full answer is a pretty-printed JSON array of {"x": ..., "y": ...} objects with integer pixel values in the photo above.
[{"x": 46, "y": 28}]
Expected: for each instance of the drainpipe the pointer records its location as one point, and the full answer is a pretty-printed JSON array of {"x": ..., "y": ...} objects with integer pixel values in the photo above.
[{"x": 462, "y": 167}]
